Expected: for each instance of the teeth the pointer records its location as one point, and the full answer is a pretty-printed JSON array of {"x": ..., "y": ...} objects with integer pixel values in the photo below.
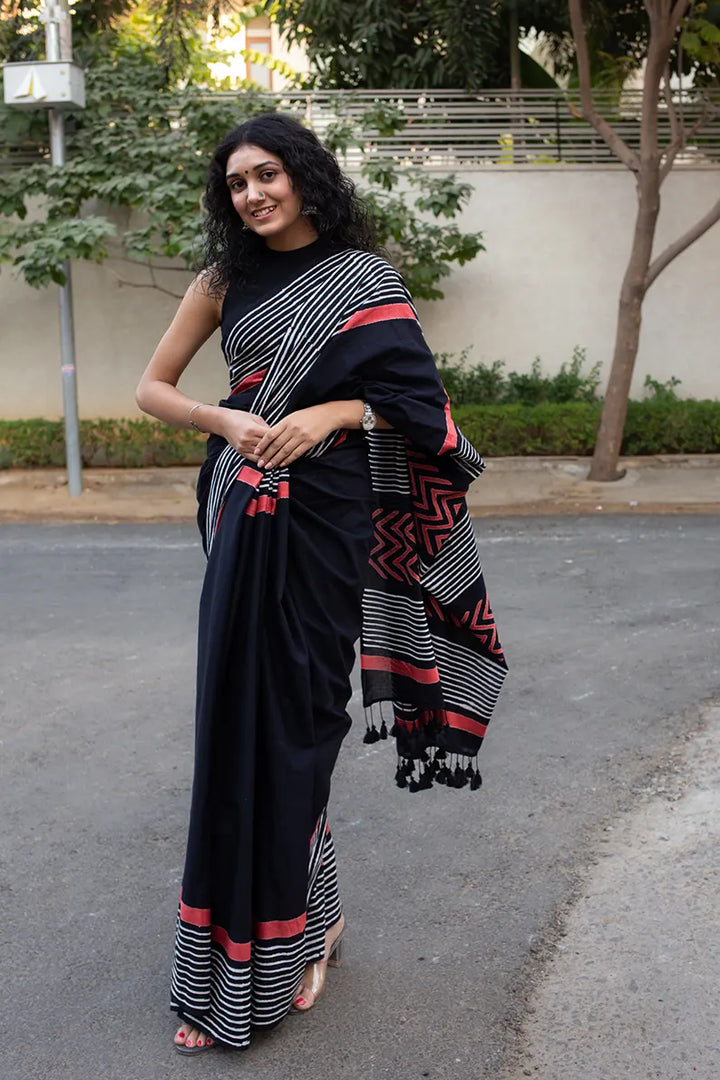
[{"x": 263, "y": 213}]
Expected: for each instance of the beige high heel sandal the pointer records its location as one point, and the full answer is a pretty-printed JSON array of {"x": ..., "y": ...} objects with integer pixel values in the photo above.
[{"x": 313, "y": 981}]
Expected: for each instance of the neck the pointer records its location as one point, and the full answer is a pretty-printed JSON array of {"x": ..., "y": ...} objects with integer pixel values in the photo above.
[{"x": 299, "y": 237}]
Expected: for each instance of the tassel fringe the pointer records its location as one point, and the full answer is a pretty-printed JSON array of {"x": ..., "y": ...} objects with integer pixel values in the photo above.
[
  {"x": 420, "y": 766},
  {"x": 431, "y": 767}
]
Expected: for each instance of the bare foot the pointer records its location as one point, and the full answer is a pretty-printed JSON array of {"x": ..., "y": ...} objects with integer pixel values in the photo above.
[
  {"x": 313, "y": 981},
  {"x": 191, "y": 1038}
]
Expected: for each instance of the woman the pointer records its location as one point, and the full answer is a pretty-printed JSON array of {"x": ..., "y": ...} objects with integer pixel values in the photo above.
[{"x": 332, "y": 499}]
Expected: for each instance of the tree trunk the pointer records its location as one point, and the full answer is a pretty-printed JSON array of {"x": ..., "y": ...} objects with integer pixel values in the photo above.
[{"x": 627, "y": 335}]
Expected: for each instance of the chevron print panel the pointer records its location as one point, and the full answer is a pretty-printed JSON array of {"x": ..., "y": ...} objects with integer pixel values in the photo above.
[
  {"x": 481, "y": 623},
  {"x": 436, "y": 504},
  {"x": 394, "y": 555}
]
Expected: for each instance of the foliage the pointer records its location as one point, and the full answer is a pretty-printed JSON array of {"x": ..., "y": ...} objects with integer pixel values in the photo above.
[
  {"x": 419, "y": 43},
  {"x": 480, "y": 384},
  {"x": 548, "y": 428},
  {"x": 143, "y": 144},
  {"x": 117, "y": 443},
  {"x": 661, "y": 391},
  {"x": 427, "y": 44}
]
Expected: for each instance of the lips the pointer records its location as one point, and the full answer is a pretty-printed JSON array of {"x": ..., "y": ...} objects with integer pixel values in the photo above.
[{"x": 264, "y": 212}]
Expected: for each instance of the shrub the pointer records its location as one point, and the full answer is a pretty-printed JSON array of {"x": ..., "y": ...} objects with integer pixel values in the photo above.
[
  {"x": 657, "y": 426},
  {"x": 117, "y": 443},
  {"x": 480, "y": 384}
]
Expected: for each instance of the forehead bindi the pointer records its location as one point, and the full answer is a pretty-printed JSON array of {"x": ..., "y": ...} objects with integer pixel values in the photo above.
[{"x": 250, "y": 160}]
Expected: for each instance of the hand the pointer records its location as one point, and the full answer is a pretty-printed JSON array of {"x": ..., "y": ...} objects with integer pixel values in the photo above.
[
  {"x": 292, "y": 436},
  {"x": 242, "y": 430}
]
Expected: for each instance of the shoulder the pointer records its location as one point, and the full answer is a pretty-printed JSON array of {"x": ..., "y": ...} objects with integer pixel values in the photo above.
[
  {"x": 203, "y": 292},
  {"x": 374, "y": 270}
]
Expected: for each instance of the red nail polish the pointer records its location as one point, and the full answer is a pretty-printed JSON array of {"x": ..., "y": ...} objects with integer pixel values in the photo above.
[{"x": 300, "y": 1001}]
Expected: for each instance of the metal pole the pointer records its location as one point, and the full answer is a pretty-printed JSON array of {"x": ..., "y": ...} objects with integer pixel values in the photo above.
[{"x": 55, "y": 12}]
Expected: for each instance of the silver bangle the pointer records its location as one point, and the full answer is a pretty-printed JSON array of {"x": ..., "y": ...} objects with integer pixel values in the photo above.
[{"x": 191, "y": 422}]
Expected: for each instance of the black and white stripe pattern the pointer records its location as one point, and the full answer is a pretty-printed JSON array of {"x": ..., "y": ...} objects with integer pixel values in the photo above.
[
  {"x": 303, "y": 317},
  {"x": 387, "y": 454},
  {"x": 455, "y": 565},
  {"x": 397, "y": 621},
  {"x": 227, "y": 998}
]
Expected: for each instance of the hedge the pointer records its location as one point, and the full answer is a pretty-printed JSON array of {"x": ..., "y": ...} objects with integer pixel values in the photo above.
[{"x": 653, "y": 427}]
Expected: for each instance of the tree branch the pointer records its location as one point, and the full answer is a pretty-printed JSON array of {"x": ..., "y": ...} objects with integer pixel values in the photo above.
[
  {"x": 677, "y": 128},
  {"x": 617, "y": 144},
  {"x": 143, "y": 284},
  {"x": 673, "y": 250},
  {"x": 677, "y": 15}
]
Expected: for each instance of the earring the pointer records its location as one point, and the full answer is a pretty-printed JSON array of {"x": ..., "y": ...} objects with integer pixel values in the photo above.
[{"x": 308, "y": 211}]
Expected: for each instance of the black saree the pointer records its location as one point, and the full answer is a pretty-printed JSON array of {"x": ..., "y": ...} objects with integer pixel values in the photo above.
[{"x": 359, "y": 534}]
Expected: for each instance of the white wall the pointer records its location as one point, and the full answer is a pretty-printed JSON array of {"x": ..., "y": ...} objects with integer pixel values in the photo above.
[
  {"x": 557, "y": 241},
  {"x": 557, "y": 244}
]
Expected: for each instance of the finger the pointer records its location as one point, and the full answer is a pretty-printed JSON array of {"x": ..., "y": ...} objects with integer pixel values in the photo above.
[
  {"x": 266, "y": 437},
  {"x": 296, "y": 453},
  {"x": 288, "y": 452},
  {"x": 276, "y": 448}
]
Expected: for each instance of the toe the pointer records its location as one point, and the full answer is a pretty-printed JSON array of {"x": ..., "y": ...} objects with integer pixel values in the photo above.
[
  {"x": 182, "y": 1034},
  {"x": 303, "y": 998}
]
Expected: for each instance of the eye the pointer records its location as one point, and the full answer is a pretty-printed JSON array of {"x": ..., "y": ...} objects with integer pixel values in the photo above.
[
  {"x": 267, "y": 175},
  {"x": 237, "y": 185}
]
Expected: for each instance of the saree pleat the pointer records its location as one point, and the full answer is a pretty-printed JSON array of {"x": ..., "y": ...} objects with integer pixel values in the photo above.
[{"x": 279, "y": 623}]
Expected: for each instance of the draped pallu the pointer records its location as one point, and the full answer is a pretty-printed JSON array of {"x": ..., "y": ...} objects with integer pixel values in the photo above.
[{"x": 364, "y": 536}]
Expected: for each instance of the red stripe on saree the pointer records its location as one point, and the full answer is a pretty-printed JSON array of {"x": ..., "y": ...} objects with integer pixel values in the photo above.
[
  {"x": 399, "y": 667},
  {"x": 381, "y": 313},
  {"x": 451, "y": 439},
  {"x": 249, "y": 382},
  {"x": 248, "y": 475},
  {"x": 464, "y": 723},
  {"x": 280, "y": 928},
  {"x": 266, "y": 504},
  {"x": 236, "y": 950}
]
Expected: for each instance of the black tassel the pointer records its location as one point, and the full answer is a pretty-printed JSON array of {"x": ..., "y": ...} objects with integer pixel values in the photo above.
[
  {"x": 460, "y": 777},
  {"x": 394, "y": 730},
  {"x": 383, "y": 730},
  {"x": 425, "y": 781},
  {"x": 469, "y": 771},
  {"x": 440, "y": 754},
  {"x": 371, "y": 735},
  {"x": 400, "y": 778},
  {"x": 413, "y": 785},
  {"x": 476, "y": 781}
]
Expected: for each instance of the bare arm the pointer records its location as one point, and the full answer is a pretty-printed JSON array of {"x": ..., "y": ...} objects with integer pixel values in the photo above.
[{"x": 196, "y": 320}]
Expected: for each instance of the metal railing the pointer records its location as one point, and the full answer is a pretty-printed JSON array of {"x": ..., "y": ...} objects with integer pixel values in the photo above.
[
  {"x": 448, "y": 129},
  {"x": 451, "y": 129}
]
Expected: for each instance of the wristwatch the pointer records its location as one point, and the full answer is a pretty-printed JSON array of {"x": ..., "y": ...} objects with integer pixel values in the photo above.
[{"x": 368, "y": 417}]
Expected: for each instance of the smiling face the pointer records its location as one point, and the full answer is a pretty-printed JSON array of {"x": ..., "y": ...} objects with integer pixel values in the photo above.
[{"x": 263, "y": 196}]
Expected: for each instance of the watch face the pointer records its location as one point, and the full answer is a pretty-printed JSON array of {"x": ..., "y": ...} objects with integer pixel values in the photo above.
[{"x": 368, "y": 421}]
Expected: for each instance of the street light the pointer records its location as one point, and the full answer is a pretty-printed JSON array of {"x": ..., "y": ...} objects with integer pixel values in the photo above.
[{"x": 56, "y": 84}]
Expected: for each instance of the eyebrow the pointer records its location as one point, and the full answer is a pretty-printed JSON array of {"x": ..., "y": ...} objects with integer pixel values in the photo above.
[{"x": 255, "y": 168}]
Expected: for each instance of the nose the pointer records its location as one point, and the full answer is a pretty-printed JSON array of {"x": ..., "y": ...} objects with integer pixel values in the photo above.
[{"x": 254, "y": 192}]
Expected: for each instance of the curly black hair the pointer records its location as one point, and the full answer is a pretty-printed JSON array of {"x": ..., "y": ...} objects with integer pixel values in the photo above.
[{"x": 333, "y": 207}]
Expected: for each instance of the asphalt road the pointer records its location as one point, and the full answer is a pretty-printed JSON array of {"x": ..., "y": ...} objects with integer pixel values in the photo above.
[{"x": 610, "y": 625}]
